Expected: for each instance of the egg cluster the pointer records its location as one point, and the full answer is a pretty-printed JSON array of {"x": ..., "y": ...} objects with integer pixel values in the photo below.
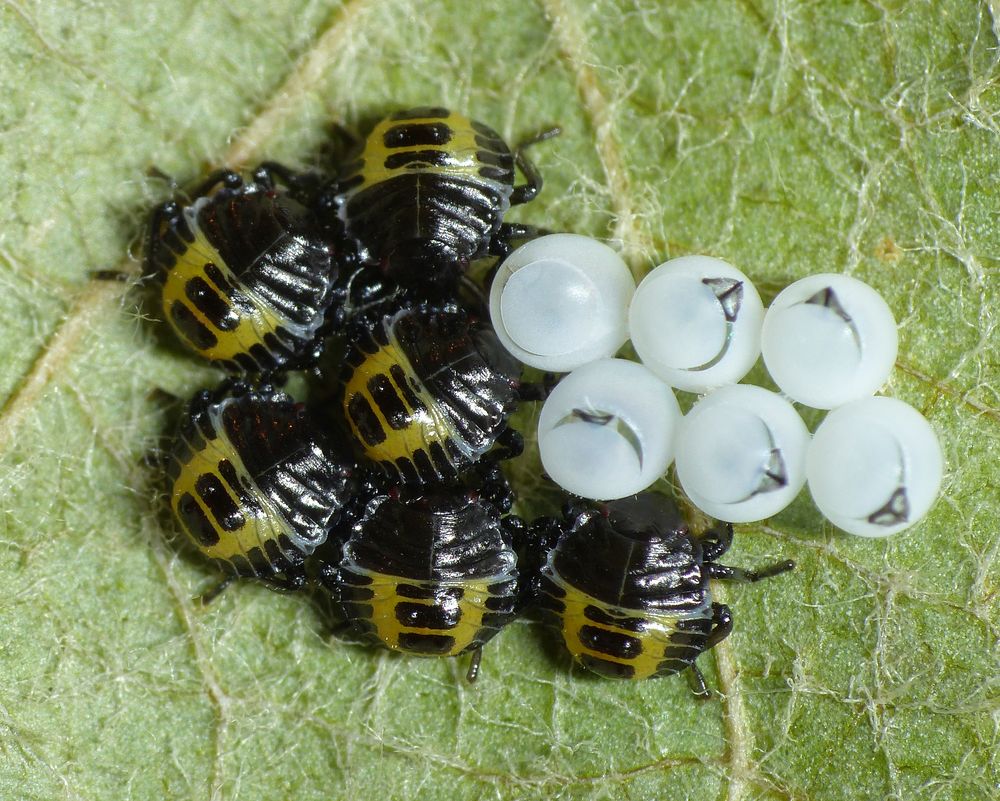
[
  {"x": 743, "y": 453},
  {"x": 383, "y": 488}
]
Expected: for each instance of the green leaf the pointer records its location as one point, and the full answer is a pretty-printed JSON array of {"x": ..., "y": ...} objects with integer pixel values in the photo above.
[{"x": 786, "y": 136}]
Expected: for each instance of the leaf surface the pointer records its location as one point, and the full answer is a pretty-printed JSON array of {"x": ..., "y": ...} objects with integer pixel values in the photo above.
[{"x": 788, "y": 137}]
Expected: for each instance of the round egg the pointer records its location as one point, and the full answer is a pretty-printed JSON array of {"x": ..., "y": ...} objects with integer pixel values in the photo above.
[{"x": 607, "y": 430}]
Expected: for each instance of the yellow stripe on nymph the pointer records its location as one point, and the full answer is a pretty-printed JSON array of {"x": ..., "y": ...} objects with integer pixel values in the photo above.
[
  {"x": 461, "y": 149},
  {"x": 388, "y": 628},
  {"x": 257, "y": 529},
  {"x": 427, "y": 426},
  {"x": 253, "y": 325},
  {"x": 654, "y": 639}
]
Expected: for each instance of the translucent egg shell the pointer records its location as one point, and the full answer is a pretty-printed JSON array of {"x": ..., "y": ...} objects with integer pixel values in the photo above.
[
  {"x": 741, "y": 453},
  {"x": 695, "y": 322},
  {"x": 874, "y": 467},
  {"x": 607, "y": 430},
  {"x": 829, "y": 339},
  {"x": 561, "y": 301}
]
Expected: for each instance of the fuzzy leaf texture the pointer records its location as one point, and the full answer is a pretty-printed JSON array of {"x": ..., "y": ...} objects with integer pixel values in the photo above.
[{"x": 786, "y": 136}]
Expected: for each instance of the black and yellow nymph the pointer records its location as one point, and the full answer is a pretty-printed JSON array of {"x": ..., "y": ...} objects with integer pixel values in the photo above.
[
  {"x": 427, "y": 193},
  {"x": 429, "y": 572},
  {"x": 245, "y": 272},
  {"x": 626, "y": 587},
  {"x": 427, "y": 392},
  {"x": 254, "y": 484}
]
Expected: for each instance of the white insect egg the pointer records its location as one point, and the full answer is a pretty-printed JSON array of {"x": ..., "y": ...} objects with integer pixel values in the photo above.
[
  {"x": 874, "y": 467},
  {"x": 741, "y": 453},
  {"x": 695, "y": 322},
  {"x": 829, "y": 339},
  {"x": 561, "y": 301},
  {"x": 607, "y": 429}
]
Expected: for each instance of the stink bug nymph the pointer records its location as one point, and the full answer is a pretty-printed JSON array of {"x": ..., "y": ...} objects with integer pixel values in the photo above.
[
  {"x": 254, "y": 485},
  {"x": 427, "y": 392},
  {"x": 246, "y": 274},
  {"x": 627, "y": 589},
  {"x": 430, "y": 573},
  {"x": 427, "y": 193}
]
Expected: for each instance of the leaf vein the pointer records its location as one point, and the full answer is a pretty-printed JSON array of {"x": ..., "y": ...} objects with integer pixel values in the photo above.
[{"x": 635, "y": 241}]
